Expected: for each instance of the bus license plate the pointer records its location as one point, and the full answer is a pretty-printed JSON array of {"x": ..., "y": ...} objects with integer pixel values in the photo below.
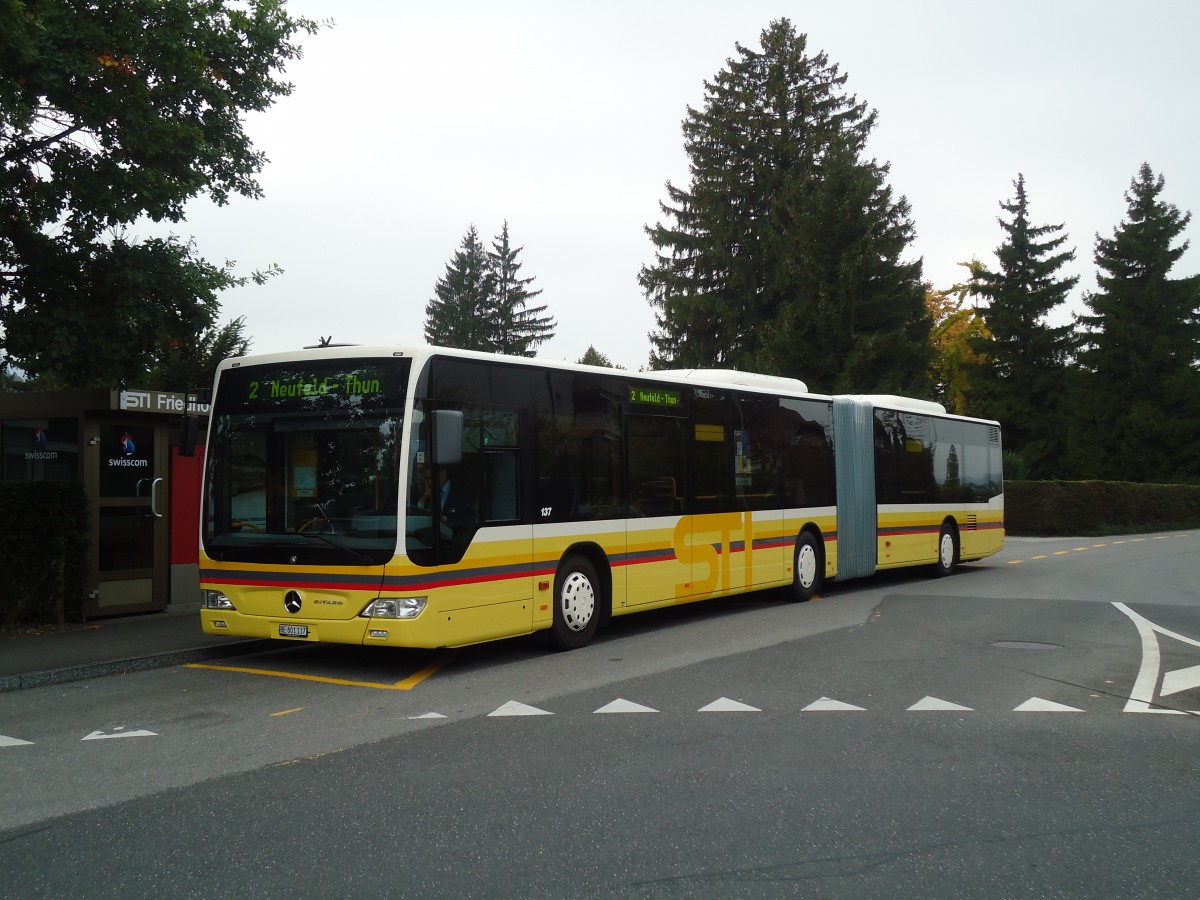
[{"x": 300, "y": 631}]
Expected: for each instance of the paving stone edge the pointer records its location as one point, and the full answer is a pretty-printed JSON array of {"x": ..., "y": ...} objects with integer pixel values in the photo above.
[{"x": 124, "y": 666}]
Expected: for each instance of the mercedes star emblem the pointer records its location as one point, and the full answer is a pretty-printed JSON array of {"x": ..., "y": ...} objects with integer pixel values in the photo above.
[{"x": 291, "y": 602}]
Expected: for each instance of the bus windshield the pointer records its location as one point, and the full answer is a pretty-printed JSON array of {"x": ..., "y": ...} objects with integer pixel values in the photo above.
[{"x": 302, "y": 463}]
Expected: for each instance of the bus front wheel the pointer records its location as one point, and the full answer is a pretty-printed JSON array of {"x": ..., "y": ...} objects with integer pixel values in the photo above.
[
  {"x": 577, "y": 594},
  {"x": 947, "y": 557},
  {"x": 807, "y": 574}
]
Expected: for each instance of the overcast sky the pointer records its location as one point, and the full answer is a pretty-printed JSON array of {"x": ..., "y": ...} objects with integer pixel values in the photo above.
[{"x": 411, "y": 121}]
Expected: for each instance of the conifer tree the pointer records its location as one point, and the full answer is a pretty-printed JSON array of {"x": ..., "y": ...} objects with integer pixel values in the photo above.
[
  {"x": 593, "y": 357},
  {"x": 783, "y": 255},
  {"x": 517, "y": 329},
  {"x": 1022, "y": 380},
  {"x": 193, "y": 363},
  {"x": 461, "y": 312},
  {"x": 1142, "y": 348}
]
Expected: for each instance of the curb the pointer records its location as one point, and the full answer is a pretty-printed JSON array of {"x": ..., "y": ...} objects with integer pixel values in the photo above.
[{"x": 125, "y": 666}]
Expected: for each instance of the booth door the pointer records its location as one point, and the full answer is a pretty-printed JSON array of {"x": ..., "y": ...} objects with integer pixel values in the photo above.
[{"x": 130, "y": 516}]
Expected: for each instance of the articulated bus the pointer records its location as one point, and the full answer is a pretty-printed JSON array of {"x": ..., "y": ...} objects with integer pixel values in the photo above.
[{"x": 424, "y": 497}]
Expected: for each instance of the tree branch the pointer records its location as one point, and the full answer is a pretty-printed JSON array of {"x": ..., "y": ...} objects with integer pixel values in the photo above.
[{"x": 20, "y": 150}]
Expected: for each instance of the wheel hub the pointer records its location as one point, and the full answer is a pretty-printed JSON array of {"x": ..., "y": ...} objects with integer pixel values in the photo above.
[{"x": 578, "y": 601}]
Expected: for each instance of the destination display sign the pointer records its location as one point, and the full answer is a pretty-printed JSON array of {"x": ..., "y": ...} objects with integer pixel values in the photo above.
[
  {"x": 352, "y": 384},
  {"x": 337, "y": 384},
  {"x": 655, "y": 396}
]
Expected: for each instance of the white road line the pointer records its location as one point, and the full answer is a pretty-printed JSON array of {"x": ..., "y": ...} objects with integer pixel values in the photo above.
[
  {"x": 827, "y": 705},
  {"x": 933, "y": 704},
  {"x": 117, "y": 733},
  {"x": 624, "y": 706},
  {"x": 1141, "y": 697},
  {"x": 1180, "y": 680},
  {"x": 724, "y": 704},
  {"x": 1037, "y": 704},
  {"x": 513, "y": 708}
]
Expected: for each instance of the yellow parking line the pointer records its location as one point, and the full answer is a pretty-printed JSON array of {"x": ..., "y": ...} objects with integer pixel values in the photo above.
[
  {"x": 406, "y": 684},
  {"x": 413, "y": 680},
  {"x": 286, "y": 712}
]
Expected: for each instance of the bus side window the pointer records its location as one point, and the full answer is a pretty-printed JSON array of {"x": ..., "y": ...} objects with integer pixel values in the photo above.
[
  {"x": 501, "y": 478},
  {"x": 656, "y": 465}
]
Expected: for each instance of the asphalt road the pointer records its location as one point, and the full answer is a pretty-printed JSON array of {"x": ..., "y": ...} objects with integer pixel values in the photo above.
[{"x": 1021, "y": 729}]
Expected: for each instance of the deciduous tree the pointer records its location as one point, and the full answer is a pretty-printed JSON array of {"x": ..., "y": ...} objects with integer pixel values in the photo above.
[
  {"x": 957, "y": 329},
  {"x": 109, "y": 113}
]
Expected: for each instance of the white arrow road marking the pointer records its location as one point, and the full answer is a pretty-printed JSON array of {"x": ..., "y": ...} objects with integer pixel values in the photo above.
[
  {"x": 429, "y": 715},
  {"x": 624, "y": 706},
  {"x": 6, "y": 741},
  {"x": 933, "y": 704},
  {"x": 827, "y": 705},
  {"x": 1037, "y": 704},
  {"x": 513, "y": 708},
  {"x": 1142, "y": 695},
  {"x": 726, "y": 705},
  {"x": 1180, "y": 680},
  {"x": 117, "y": 733}
]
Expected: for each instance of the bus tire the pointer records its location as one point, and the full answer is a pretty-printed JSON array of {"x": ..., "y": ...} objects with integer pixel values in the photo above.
[
  {"x": 947, "y": 552},
  {"x": 577, "y": 603},
  {"x": 809, "y": 569}
]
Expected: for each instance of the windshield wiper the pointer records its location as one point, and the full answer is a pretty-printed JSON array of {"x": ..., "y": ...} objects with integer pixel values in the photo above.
[{"x": 357, "y": 554}]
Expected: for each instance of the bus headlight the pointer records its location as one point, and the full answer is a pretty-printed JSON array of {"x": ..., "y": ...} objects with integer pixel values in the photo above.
[
  {"x": 395, "y": 608},
  {"x": 216, "y": 600}
]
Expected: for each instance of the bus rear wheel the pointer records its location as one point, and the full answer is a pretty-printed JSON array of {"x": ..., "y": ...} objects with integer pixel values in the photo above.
[
  {"x": 807, "y": 574},
  {"x": 947, "y": 557},
  {"x": 577, "y": 598}
]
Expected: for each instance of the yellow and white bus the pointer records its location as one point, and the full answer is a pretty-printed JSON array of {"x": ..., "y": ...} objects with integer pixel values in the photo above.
[{"x": 424, "y": 497}]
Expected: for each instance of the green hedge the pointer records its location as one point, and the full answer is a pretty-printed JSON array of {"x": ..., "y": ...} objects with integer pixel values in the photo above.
[
  {"x": 43, "y": 553},
  {"x": 1049, "y": 508}
]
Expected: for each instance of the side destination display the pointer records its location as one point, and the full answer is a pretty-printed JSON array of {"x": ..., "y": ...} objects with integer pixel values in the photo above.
[{"x": 655, "y": 396}]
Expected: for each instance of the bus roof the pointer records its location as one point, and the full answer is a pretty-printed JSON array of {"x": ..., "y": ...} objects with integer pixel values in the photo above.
[{"x": 713, "y": 377}]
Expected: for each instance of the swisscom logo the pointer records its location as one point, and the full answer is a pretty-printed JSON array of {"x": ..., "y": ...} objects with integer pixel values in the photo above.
[
  {"x": 41, "y": 442},
  {"x": 127, "y": 459}
]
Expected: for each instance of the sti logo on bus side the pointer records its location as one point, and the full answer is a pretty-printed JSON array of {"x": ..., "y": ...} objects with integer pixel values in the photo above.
[{"x": 708, "y": 541}]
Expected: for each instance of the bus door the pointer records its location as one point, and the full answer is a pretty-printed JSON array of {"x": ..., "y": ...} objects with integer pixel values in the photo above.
[
  {"x": 658, "y": 533},
  {"x": 759, "y": 440},
  {"x": 736, "y": 518}
]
